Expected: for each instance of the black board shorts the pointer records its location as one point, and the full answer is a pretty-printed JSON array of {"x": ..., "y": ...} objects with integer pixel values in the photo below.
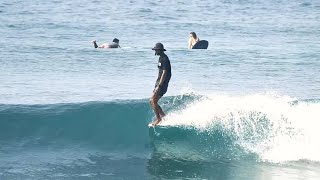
[{"x": 162, "y": 90}]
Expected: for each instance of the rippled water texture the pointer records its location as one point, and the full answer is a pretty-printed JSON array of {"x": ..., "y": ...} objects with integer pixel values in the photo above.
[
  {"x": 245, "y": 108},
  {"x": 255, "y": 46}
]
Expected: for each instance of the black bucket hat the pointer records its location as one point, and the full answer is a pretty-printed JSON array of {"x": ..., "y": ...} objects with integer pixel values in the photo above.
[{"x": 159, "y": 46}]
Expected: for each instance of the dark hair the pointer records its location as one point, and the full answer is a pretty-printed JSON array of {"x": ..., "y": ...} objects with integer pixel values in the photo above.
[
  {"x": 194, "y": 35},
  {"x": 115, "y": 40}
]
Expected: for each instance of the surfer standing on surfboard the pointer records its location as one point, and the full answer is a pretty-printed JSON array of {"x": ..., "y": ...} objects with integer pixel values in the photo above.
[
  {"x": 162, "y": 82},
  {"x": 193, "y": 39}
]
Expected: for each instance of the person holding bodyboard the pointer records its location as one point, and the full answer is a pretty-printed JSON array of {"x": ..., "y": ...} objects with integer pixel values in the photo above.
[
  {"x": 193, "y": 39},
  {"x": 195, "y": 43}
]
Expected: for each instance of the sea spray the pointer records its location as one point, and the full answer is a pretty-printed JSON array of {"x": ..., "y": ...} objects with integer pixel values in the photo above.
[{"x": 276, "y": 128}]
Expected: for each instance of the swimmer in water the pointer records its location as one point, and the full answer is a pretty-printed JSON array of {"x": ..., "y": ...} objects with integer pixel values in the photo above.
[
  {"x": 193, "y": 39},
  {"x": 114, "y": 44}
]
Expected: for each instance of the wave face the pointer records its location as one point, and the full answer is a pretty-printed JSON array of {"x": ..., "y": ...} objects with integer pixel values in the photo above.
[
  {"x": 263, "y": 127},
  {"x": 109, "y": 125}
]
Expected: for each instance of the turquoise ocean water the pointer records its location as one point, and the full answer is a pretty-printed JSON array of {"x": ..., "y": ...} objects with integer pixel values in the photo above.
[{"x": 248, "y": 107}]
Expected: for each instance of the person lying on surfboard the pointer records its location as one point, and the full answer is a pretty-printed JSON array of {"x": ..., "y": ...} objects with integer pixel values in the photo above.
[
  {"x": 193, "y": 39},
  {"x": 162, "y": 82},
  {"x": 114, "y": 44}
]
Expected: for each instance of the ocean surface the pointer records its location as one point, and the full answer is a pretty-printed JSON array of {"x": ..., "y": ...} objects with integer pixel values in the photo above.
[{"x": 248, "y": 107}]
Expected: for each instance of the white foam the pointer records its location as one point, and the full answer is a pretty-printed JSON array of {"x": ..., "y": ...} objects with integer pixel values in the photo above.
[{"x": 268, "y": 124}]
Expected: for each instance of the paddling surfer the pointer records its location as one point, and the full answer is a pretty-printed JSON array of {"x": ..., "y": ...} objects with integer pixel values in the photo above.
[
  {"x": 162, "y": 82},
  {"x": 114, "y": 44}
]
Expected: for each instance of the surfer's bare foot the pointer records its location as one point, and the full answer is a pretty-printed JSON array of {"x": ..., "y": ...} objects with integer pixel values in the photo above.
[{"x": 156, "y": 122}]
